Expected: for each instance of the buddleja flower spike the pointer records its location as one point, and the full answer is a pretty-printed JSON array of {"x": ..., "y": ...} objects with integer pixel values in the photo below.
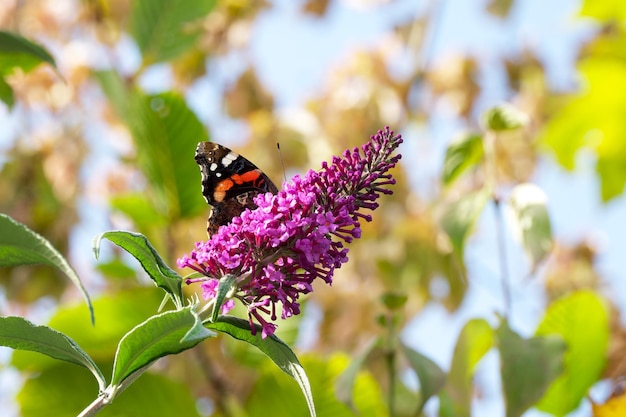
[{"x": 284, "y": 240}]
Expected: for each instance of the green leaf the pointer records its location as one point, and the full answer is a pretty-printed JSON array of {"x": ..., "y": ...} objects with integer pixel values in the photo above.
[
  {"x": 228, "y": 283},
  {"x": 460, "y": 217},
  {"x": 505, "y": 117},
  {"x": 461, "y": 155},
  {"x": 166, "y": 133},
  {"x": 593, "y": 119},
  {"x": 123, "y": 311},
  {"x": 528, "y": 366},
  {"x": 21, "y": 246},
  {"x": 323, "y": 374},
  {"x": 17, "y": 51},
  {"x": 139, "y": 246},
  {"x": 345, "y": 383},
  {"x": 582, "y": 320},
  {"x": 117, "y": 93},
  {"x": 605, "y": 10},
  {"x": 139, "y": 209},
  {"x": 432, "y": 378},
  {"x": 530, "y": 221},
  {"x": 64, "y": 391},
  {"x": 273, "y": 347},
  {"x": 6, "y": 93},
  {"x": 162, "y": 28},
  {"x": 161, "y": 335},
  {"x": 500, "y": 8},
  {"x": 19, "y": 333},
  {"x": 474, "y": 342}
]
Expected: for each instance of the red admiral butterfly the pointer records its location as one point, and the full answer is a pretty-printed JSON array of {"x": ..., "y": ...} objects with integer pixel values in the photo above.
[{"x": 229, "y": 183}]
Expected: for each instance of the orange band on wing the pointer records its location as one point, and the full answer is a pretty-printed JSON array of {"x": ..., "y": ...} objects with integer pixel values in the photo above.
[
  {"x": 221, "y": 188},
  {"x": 250, "y": 176}
]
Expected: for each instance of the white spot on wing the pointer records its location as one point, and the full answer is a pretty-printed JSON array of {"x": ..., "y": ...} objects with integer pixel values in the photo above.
[
  {"x": 229, "y": 158},
  {"x": 213, "y": 166}
]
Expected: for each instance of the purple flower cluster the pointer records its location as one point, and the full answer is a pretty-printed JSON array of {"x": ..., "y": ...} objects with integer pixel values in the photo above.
[{"x": 297, "y": 235}]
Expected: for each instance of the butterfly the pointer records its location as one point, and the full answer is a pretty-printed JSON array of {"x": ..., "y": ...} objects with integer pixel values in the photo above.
[{"x": 229, "y": 183}]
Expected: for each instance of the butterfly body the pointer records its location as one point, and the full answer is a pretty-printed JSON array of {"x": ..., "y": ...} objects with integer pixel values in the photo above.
[{"x": 229, "y": 183}]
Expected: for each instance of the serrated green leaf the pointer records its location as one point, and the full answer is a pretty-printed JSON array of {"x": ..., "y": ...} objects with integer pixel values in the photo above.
[
  {"x": 531, "y": 222},
  {"x": 528, "y": 366},
  {"x": 19, "y": 333},
  {"x": 505, "y": 117},
  {"x": 474, "y": 342},
  {"x": 161, "y": 335},
  {"x": 344, "y": 385},
  {"x": 6, "y": 93},
  {"x": 17, "y": 51},
  {"x": 461, "y": 216},
  {"x": 138, "y": 245},
  {"x": 162, "y": 28},
  {"x": 461, "y": 155},
  {"x": 273, "y": 347},
  {"x": 431, "y": 376},
  {"x": 21, "y": 246},
  {"x": 582, "y": 320}
]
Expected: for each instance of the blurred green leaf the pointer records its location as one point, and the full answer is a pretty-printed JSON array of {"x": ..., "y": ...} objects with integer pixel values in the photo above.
[
  {"x": 323, "y": 374},
  {"x": 6, "y": 93},
  {"x": 505, "y": 117},
  {"x": 460, "y": 217},
  {"x": 345, "y": 383},
  {"x": 273, "y": 347},
  {"x": 17, "y": 51},
  {"x": 474, "y": 342},
  {"x": 19, "y": 333},
  {"x": 65, "y": 390},
  {"x": 530, "y": 221},
  {"x": 139, "y": 209},
  {"x": 431, "y": 376},
  {"x": 581, "y": 319},
  {"x": 605, "y": 10},
  {"x": 500, "y": 8},
  {"x": 139, "y": 246},
  {"x": 163, "y": 29},
  {"x": 161, "y": 335},
  {"x": 120, "y": 312},
  {"x": 167, "y": 132},
  {"x": 116, "y": 268},
  {"x": 593, "y": 119},
  {"x": 394, "y": 300},
  {"x": 21, "y": 246},
  {"x": 461, "y": 155},
  {"x": 528, "y": 366},
  {"x": 117, "y": 92}
]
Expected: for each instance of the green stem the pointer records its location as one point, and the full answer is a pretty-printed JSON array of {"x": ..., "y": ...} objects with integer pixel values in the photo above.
[{"x": 492, "y": 184}]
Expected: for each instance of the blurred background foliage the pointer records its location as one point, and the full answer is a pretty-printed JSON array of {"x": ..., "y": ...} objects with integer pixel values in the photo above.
[{"x": 101, "y": 135}]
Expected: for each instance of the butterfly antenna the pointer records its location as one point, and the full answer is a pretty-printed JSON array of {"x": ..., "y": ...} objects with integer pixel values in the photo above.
[{"x": 282, "y": 161}]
